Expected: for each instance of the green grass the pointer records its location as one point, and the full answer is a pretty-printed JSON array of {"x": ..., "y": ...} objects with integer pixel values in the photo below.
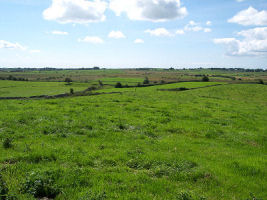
[
  {"x": 26, "y": 89},
  {"x": 208, "y": 143}
]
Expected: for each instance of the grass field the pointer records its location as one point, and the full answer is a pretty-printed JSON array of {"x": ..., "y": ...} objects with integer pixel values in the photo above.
[
  {"x": 26, "y": 89},
  {"x": 207, "y": 143}
]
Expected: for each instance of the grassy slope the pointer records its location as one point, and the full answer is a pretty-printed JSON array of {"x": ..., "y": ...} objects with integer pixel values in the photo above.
[{"x": 146, "y": 144}]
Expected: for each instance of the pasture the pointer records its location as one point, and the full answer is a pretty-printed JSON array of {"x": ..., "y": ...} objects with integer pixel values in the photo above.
[{"x": 142, "y": 143}]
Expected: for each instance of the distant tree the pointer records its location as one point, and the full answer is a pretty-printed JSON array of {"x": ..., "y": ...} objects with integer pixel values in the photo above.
[
  {"x": 68, "y": 80},
  {"x": 205, "y": 79},
  {"x": 96, "y": 68},
  {"x": 100, "y": 83},
  {"x": 118, "y": 85},
  {"x": 10, "y": 77},
  {"x": 146, "y": 81},
  {"x": 261, "y": 81}
]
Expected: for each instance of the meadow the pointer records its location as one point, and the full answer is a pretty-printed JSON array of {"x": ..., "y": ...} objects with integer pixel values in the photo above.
[{"x": 205, "y": 143}]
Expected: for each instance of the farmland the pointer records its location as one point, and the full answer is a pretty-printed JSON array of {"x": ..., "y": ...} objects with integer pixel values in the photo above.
[{"x": 174, "y": 138}]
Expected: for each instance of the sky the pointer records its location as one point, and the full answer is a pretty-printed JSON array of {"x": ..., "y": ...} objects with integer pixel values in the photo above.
[{"x": 133, "y": 33}]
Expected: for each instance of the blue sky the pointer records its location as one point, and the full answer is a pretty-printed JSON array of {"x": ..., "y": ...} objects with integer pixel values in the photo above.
[{"x": 133, "y": 33}]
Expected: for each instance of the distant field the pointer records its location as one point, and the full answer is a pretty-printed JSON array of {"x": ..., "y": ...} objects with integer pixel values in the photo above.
[
  {"x": 26, "y": 89},
  {"x": 131, "y": 76}
]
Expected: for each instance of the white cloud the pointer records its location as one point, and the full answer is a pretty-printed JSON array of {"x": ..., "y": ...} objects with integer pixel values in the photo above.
[
  {"x": 159, "y": 32},
  {"x": 151, "y": 10},
  {"x": 240, "y": 0},
  {"x": 59, "y": 33},
  {"x": 250, "y": 16},
  {"x": 254, "y": 43},
  {"x": 139, "y": 41},
  {"x": 208, "y": 23},
  {"x": 35, "y": 51},
  {"x": 196, "y": 27},
  {"x": 116, "y": 35},
  {"x": 180, "y": 32},
  {"x": 78, "y": 11},
  {"x": 9, "y": 45},
  {"x": 92, "y": 39}
]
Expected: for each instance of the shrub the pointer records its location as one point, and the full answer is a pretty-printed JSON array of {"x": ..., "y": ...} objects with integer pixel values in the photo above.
[
  {"x": 7, "y": 143},
  {"x": 183, "y": 89},
  {"x": 261, "y": 81},
  {"x": 100, "y": 83},
  {"x": 146, "y": 81},
  {"x": 205, "y": 79},
  {"x": 68, "y": 80},
  {"x": 41, "y": 184},
  {"x": 118, "y": 85},
  {"x": 71, "y": 91}
]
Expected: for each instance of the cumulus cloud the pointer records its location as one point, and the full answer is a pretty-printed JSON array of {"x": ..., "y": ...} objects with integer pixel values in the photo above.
[
  {"x": 59, "y": 33},
  {"x": 159, "y": 32},
  {"x": 78, "y": 11},
  {"x": 250, "y": 16},
  {"x": 150, "y": 10},
  {"x": 116, "y": 35},
  {"x": 92, "y": 39},
  {"x": 139, "y": 41},
  {"x": 254, "y": 43},
  {"x": 9, "y": 45},
  {"x": 196, "y": 27}
]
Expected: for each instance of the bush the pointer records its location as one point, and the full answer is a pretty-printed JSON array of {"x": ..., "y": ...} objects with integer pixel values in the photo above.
[
  {"x": 68, "y": 80},
  {"x": 146, "y": 81},
  {"x": 261, "y": 81},
  {"x": 7, "y": 143},
  {"x": 205, "y": 79},
  {"x": 41, "y": 184},
  {"x": 71, "y": 91},
  {"x": 100, "y": 83},
  {"x": 118, "y": 85}
]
